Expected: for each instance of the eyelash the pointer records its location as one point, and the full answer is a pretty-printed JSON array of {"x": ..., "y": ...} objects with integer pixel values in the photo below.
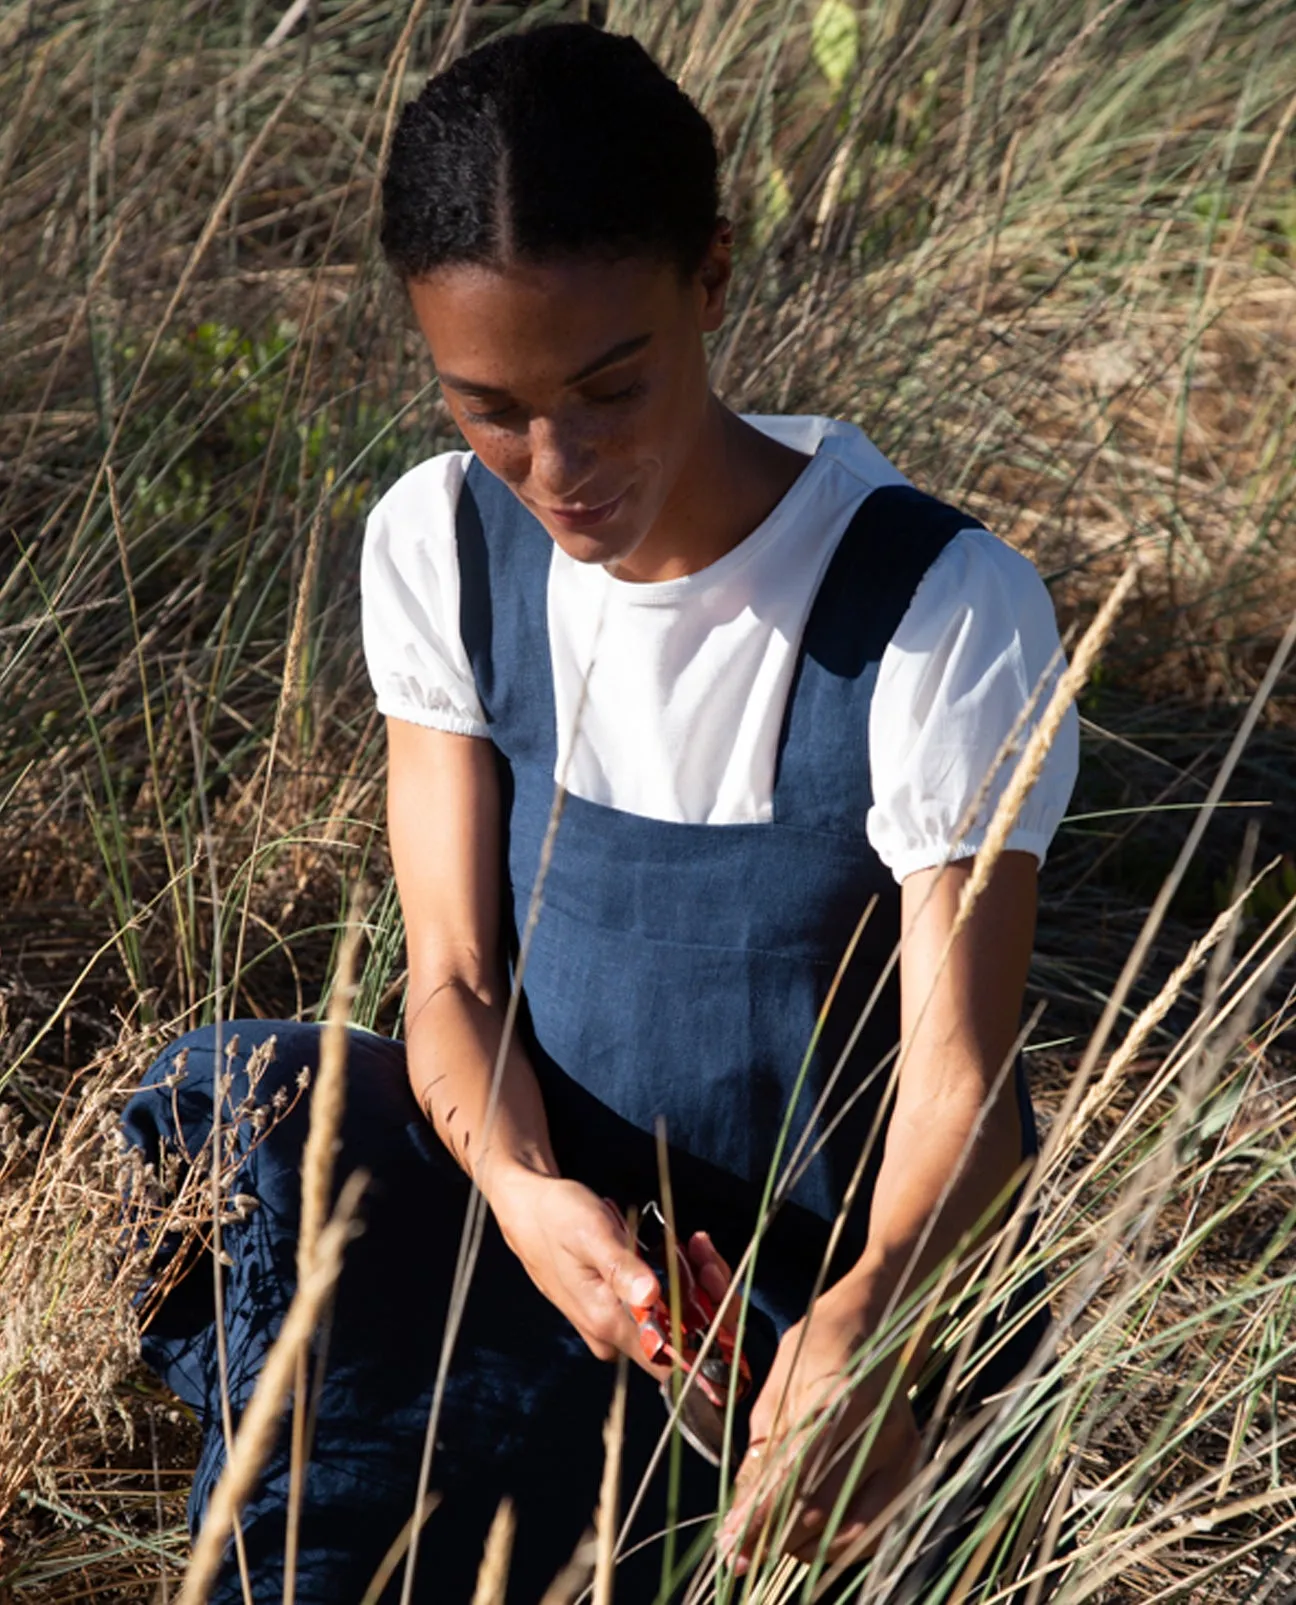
[{"x": 631, "y": 392}]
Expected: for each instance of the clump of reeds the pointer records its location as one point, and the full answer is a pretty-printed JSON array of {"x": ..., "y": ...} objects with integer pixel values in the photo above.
[
  {"x": 66, "y": 1333},
  {"x": 93, "y": 1232},
  {"x": 67, "y": 1330}
]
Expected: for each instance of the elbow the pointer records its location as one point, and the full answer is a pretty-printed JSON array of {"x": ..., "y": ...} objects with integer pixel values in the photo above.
[{"x": 462, "y": 984}]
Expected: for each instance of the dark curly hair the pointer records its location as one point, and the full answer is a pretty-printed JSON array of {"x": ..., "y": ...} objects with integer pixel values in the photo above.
[{"x": 561, "y": 141}]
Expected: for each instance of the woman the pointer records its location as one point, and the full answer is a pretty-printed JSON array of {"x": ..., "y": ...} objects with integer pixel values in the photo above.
[{"x": 771, "y": 678}]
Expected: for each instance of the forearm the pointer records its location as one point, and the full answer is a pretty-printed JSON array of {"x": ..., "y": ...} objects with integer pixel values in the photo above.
[
  {"x": 564, "y": 1238},
  {"x": 452, "y": 1044},
  {"x": 920, "y": 1219},
  {"x": 951, "y": 1150}
]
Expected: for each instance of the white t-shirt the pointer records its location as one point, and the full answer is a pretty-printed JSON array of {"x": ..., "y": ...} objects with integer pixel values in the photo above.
[{"x": 684, "y": 681}]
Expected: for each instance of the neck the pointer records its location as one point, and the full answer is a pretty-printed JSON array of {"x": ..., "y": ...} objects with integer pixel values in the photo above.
[{"x": 732, "y": 480}]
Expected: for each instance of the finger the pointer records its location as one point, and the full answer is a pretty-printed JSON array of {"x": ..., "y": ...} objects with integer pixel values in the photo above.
[
  {"x": 740, "y": 1543},
  {"x": 758, "y": 1528},
  {"x": 714, "y": 1284},
  {"x": 758, "y": 1483},
  {"x": 763, "y": 1485},
  {"x": 630, "y": 1278},
  {"x": 740, "y": 1534},
  {"x": 744, "y": 1494},
  {"x": 750, "y": 1470},
  {"x": 848, "y": 1543},
  {"x": 609, "y": 1330},
  {"x": 598, "y": 1348},
  {"x": 856, "y": 1539},
  {"x": 706, "y": 1256},
  {"x": 804, "y": 1536},
  {"x": 715, "y": 1277}
]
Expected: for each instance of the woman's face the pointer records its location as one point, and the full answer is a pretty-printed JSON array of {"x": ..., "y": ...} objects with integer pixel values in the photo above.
[{"x": 581, "y": 384}]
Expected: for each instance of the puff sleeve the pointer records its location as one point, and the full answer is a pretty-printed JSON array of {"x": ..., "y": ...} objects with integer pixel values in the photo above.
[
  {"x": 409, "y": 593},
  {"x": 978, "y": 636}
]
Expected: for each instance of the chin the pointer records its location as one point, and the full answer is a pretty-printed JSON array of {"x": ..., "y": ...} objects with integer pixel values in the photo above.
[{"x": 603, "y": 546}]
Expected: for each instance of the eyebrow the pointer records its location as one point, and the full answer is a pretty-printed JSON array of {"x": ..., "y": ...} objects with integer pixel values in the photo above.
[{"x": 618, "y": 353}]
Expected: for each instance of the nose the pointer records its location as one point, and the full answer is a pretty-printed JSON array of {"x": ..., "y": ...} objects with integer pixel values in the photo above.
[{"x": 561, "y": 462}]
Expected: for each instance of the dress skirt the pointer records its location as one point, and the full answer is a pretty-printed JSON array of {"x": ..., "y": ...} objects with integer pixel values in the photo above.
[{"x": 525, "y": 1403}]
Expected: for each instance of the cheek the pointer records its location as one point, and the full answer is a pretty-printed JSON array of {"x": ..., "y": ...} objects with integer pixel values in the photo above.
[
  {"x": 507, "y": 457},
  {"x": 640, "y": 444},
  {"x": 672, "y": 423},
  {"x": 648, "y": 442}
]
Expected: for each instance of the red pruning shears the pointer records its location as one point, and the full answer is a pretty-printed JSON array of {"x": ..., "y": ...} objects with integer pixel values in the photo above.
[{"x": 722, "y": 1371}]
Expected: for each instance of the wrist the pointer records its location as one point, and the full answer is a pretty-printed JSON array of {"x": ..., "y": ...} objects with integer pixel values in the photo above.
[
  {"x": 869, "y": 1286},
  {"x": 867, "y": 1300},
  {"x": 868, "y": 1296},
  {"x": 508, "y": 1181}
]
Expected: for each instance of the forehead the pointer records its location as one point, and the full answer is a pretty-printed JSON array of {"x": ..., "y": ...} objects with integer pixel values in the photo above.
[{"x": 539, "y": 323}]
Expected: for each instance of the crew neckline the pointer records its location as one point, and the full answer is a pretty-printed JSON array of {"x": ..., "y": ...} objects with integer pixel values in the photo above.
[{"x": 809, "y": 437}]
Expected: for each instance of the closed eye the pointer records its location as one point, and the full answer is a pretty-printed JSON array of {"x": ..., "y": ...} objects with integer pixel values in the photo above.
[
  {"x": 500, "y": 415},
  {"x": 495, "y": 417},
  {"x": 628, "y": 393}
]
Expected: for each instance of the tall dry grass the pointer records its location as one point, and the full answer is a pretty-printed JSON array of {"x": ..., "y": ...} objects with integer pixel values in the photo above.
[{"x": 1044, "y": 252}]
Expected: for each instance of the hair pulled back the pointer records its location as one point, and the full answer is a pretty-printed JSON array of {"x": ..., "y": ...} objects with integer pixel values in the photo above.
[{"x": 561, "y": 141}]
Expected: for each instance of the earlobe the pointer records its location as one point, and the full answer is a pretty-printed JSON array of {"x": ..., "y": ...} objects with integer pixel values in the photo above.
[
  {"x": 713, "y": 308},
  {"x": 715, "y": 274}
]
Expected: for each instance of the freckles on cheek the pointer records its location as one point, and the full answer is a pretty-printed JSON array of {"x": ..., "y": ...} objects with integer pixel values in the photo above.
[{"x": 504, "y": 460}]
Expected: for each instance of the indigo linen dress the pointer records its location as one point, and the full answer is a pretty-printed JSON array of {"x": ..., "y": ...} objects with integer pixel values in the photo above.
[{"x": 676, "y": 973}]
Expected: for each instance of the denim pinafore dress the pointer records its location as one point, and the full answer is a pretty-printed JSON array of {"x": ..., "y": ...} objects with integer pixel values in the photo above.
[{"x": 677, "y": 974}]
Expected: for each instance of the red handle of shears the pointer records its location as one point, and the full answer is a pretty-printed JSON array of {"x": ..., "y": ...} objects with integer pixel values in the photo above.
[{"x": 723, "y": 1368}]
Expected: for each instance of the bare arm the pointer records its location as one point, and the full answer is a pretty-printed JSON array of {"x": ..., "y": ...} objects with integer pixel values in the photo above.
[
  {"x": 444, "y": 819},
  {"x": 443, "y": 816},
  {"x": 960, "y": 1022}
]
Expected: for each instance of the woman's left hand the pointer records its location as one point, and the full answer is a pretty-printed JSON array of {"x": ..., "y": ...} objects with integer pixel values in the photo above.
[{"x": 821, "y": 1416}]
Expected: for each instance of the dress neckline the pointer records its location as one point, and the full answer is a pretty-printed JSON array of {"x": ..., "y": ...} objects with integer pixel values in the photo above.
[{"x": 670, "y": 592}]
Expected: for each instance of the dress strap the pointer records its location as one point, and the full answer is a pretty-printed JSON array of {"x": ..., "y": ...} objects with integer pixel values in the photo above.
[
  {"x": 822, "y": 778},
  {"x": 898, "y": 532},
  {"x": 503, "y": 615}
]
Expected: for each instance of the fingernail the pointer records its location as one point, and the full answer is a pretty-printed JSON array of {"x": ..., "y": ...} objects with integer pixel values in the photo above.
[{"x": 641, "y": 1289}]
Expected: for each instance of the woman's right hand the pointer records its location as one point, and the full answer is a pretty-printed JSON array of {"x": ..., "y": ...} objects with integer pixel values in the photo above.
[{"x": 575, "y": 1253}]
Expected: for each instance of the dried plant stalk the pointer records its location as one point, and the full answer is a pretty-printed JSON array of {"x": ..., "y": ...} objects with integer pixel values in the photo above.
[
  {"x": 328, "y": 1102},
  {"x": 492, "y": 1579},
  {"x": 1149, "y": 1018},
  {"x": 260, "y": 1423},
  {"x": 610, "y": 1490},
  {"x": 1070, "y": 682},
  {"x": 93, "y": 1235},
  {"x": 396, "y": 1550},
  {"x": 574, "y": 1578}
]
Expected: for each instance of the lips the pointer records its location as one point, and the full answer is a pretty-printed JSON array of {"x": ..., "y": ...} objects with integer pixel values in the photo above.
[{"x": 584, "y": 517}]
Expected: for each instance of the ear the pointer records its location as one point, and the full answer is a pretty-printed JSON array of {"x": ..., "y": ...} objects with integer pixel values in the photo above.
[{"x": 714, "y": 276}]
